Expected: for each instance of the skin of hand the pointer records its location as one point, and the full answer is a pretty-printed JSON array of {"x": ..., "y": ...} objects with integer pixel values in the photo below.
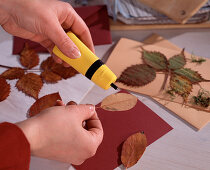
[
  {"x": 44, "y": 21},
  {"x": 57, "y": 133}
]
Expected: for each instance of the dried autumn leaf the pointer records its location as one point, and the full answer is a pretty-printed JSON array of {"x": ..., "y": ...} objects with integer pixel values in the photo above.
[
  {"x": 30, "y": 84},
  {"x": 177, "y": 61},
  {"x": 29, "y": 57},
  {"x": 119, "y": 102},
  {"x": 13, "y": 73},
  {"x": 156, "y": 60},
  {"x": 181, "y": 86},
  {"x": 137, "y": 75},
  {"x": 50, "y": 77},
  {"x": 189, "y": 74},
  {"x": 5, "y": 89},
  {"x": 133, "y": 148},
  {"x": 44, "y": 103},
  {"x": 64, "y": 72},
  {"x": 47, "y": 64}
]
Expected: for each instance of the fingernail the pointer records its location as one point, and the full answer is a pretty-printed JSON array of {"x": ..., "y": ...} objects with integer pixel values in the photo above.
[
  {"x": 92, "y": 108},
  {"x": 71, "y": 103},
  {"x": 76, "y": 53}
]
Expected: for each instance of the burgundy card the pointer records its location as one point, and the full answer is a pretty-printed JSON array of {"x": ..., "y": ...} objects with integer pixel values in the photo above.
[
  {"x": 118, "y": 126},
  {"x": 97, "y": 20}
]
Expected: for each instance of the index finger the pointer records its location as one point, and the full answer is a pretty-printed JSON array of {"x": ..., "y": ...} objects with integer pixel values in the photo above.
[{"x": 79, "y": 27}]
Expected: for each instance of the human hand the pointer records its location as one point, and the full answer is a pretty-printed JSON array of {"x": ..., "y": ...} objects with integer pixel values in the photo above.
[
  {"x": 43, "y": 21},
  {"x": 57, "y": 133}
]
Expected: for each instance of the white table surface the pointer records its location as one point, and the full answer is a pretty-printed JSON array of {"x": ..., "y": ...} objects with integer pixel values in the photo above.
[{"x": 183, "y": 148}]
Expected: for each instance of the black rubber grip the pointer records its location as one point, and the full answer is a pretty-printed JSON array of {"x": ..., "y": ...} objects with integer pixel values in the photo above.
[{"x": 93, "y": 68}]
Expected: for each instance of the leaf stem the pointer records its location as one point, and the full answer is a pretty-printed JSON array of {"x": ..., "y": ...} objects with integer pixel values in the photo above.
[
  {"x": 165, "y": 80},
  {"x": 4, "y": 66}
]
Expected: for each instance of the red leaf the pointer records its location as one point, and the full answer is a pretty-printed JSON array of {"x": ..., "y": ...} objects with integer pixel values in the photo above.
[
  {"x": 29, "y": 57},
  {"x": 13, "y": 73},
  {"x": 133, "y": 148},
  {"x": 5, "y": 89},
  {"x": 30, "y": 84},
  {"x": 64, "y": 72},
  {"x": 44, "y": 103},
  {"x": 50, "y": 77}
]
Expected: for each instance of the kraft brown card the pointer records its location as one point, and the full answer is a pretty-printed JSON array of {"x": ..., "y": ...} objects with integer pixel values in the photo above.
[{"x": 128, "y": 52}]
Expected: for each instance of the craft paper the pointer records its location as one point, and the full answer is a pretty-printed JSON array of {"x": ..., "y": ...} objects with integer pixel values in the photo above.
[
  {"x": 97, "y": 20},
  {"x": 128, "y": 52},
  {"x": 118, "y": 126}
]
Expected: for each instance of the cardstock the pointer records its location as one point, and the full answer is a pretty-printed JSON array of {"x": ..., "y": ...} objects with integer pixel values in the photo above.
[
  {"x": 97, "y": 20},
  {"x": 118, "y": 126},
  {"x": 128, "y": 53}
]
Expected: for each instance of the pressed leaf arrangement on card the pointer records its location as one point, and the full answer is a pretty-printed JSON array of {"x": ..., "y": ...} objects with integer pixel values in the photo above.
[
  {"x": 181, "y": 79},
  {"x": 178, "y": 80}
]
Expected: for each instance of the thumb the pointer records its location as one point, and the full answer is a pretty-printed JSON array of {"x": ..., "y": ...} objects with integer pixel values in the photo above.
[
  {"x": 58, "y": 36},
  {"x": 85, "y": 112}
]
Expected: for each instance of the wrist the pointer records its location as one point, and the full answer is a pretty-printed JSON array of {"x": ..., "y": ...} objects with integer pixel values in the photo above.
[{"x": 30, "y": 130}]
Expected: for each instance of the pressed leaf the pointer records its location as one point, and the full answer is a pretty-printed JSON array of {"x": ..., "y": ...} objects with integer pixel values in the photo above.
[
  {"x": 137, "y": 75},
  {"x": 181, "y": 86},
  {"x": 44, "y": 103},
  {"x": 193, "y": 76},
  {"x": 5, "y": 89},
  {"x": 30, "y": 84},
  {"x": 133, "y": 148},
  {"x": 177, "y": 61},
  {"x": 50, "y": 77},
  {"x": 156, "y": 60},
  {"x": 119, "y": 102},
  {"x": 47, "y": 64},
  {"x": 64, "y": 72},
  {"x": 29, "y": 57},
  {"x": 13, "y": 73}
]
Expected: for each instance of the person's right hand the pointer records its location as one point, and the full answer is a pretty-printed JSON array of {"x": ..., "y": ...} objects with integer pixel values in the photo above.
[
  {"x": 57, "y": 133},
  {"x": 43, "y": 21}
]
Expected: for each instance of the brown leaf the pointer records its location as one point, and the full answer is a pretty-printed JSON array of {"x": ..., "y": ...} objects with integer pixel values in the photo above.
[
  {"x": 119, "y": 102},
  {"x": 137, "y": 75},
  {"x": 47, "y": 64},
  {"x": 44, "y": 103},
  {"x": 5, "y": 89},
  {"x": 50, "y": 77},
  {"x": 64, "y": 72},
  {"x": 29, "y": 57},
  {"x": 133, "y": 148},
  {"x": 30, "y": 84},
  {"x": 13, "y": 73}
]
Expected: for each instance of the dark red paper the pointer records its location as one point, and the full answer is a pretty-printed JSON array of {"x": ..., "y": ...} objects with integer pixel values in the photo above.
[
  {"x": 97, "y": 20},
  {"x": 118, "y": 126}
]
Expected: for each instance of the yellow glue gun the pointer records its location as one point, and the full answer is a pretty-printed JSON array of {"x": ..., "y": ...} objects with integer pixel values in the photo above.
[{"x": 89, "y": 65}]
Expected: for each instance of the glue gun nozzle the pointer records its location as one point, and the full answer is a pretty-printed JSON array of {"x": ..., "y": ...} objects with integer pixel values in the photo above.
[{"x": 114, "y": 86}]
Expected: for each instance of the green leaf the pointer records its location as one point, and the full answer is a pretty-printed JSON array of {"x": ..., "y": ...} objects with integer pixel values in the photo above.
[
  {"x": 137, "y": 75},
  {"x": 180, "y": 86},
  {"x": 189, "y": 74},
  {"x": 177, "y": 61},
  {"x": 156, "y": 60}
]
